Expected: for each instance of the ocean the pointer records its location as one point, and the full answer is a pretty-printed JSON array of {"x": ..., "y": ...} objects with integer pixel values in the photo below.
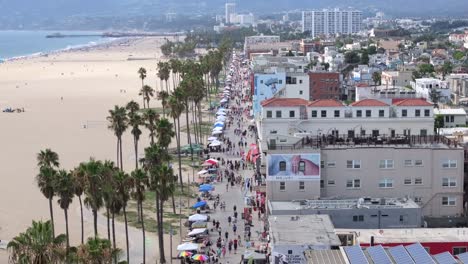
[{"x": 28, "y": 43}]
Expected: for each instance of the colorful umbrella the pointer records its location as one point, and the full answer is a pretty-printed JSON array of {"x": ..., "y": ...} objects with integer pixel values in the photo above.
[
  {"x": 185, "y": 254},
  {"x": 199, "y": 204},
  {"x": 200, "y": 257},
  {"x": 211, "y": 161}
]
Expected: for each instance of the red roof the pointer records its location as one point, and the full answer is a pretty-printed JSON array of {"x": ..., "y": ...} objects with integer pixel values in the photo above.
[
  {"x": 326, "y": 103},
  {"x": 369, "y": 102},
  {"x": 284, "y": 102},
  {"x": 413, "y": 102}
]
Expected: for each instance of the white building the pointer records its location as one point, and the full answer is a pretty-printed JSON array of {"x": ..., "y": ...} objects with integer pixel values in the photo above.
[
  {"x": 424, "y": 87},
  {"x": 452, "y": 117},
  {"x": 243, "y": 19},
  {"x": 230, "y": 8},
  {"x": 331, "y": 22},
  {"x": 384, "y": 94}
]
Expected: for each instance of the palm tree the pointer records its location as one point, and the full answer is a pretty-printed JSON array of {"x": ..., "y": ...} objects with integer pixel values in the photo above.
[
  {"x": 109, "y": 194},
  {"x": 151, "y": 117},
  {"x": 165, "y": 135},
  {"x": 97, "y": 251},
  {"x": 140, "y": 181},
  {"x": 46, "y": 183},
  {"x": 37, "y": 245},
  {"x": 177, "y": 108},
  {"x": 118, "y": 123},
  {"x": 123, "y": 184},
  {"x": 79, "y": 185},
  {"x": 48, "y": 158},
  {"x": 142, "y": 74},
  {"x": 92, "y": 171},
  {"x": 147, "y": 92},
  {"x": 65, "y": 188},
  {"x": 163, "y": 96},
  {"x": 164, "y": 72},
  {"x": 134, "y": 120}
]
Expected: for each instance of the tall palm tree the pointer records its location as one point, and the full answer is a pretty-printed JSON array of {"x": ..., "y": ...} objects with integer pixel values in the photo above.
[
  {"x": 65, "y": 188},
  {"x": 163, "y": 96},
  {"x": 140, "y": 181},
  {"x": 177, "y": 108},
  {"x": 92, "y": 171},
  {"x": 151, "y": 117},
  {"x": 164, "y": 72},
  {"x": 124, "y": 184},
  {"x": 155, "y": 157},
  {"x": 79, "y": 185},
  {"x": 37, "y": 245},
  {"x": 142, "y": 75},
  {"x": 135, "y": 121},
  {"x": 147, "y": 92},
  {"x": 48, "y": 158},
  {"x": 165, "y": 135},
  {"x": 118, "y": 123},
  {"x": 46, "y": 183},
  {"x": 108, "y": 193},
  {"x": 97, "y": 251}
]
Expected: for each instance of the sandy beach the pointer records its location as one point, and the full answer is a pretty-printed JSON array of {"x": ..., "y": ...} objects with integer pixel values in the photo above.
[{"x": 61, "y": 93}]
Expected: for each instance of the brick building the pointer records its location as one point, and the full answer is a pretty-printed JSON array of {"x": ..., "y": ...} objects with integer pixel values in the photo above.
[{"x": 324, "y": 85}]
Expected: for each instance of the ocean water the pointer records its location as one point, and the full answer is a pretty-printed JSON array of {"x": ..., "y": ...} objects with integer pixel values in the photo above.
[{"x": 27, "y": 43}]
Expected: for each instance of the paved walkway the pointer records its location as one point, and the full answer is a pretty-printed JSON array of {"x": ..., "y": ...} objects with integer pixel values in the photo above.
[{"x": 234, "y": 196}]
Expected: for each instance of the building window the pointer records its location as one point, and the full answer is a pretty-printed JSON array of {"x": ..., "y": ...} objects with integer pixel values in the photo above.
[
  {"x": 418, "y": 163},
  {"x": 358, "y": 113},
  {"x": 375, "y": 133},
  {"x": 423, "y": 132},
  {"x": 302, "y": 166},
  {"x": 386, "y": 183},
  {"x": 363, "y": 132},
  {"x": 353, "y": 164},
  {"x": 282, "y": 186},
  {"x": 300, "y": 81},
  {"x": 356, "y": 183},
  {"x": 273, "y": 132},
  {"x": 452, "y": 164},
  {"x": 301, "y": 186},
  {"x": 417, "y": 113},
  {"x": 358, "y": 218},
  {"x": 322, "y": 184},
  {"x": 407, "y": 181},
  {"x": 449, "y": 201},
  {"x": 386, "y": 164},
  {"x": 418, "y": 199},
  {"x": 314, "y": 113},
  {"x": 282, "y": 166},
  {"x": 337, "y": 113},
  {"x": 449, "y": 182},
  {"x": 292, "y": 113},
  {"x": 323, "y": 113},
  {"x": 300, "y": 92},
  {"x": 280, "y": 81},
  {"x": 331, "y": 182},
  {"x": 381, "y": 113},
  {"x": 458, "y": 250},
  {"x": 404, "y": 113},
  {"x": 427, "y": 112},
  {"x": 368, "y": 113},
  {"x": 418, "y": 181},
  {"x": 278, "y": 114},
  {"x": 408, "y": 163},
  {"x": 331, "y": 164},
  {"x": 403, "y": 218},
  {"x": 269, "y": 114},
  {"x": 452, "y": 119}
]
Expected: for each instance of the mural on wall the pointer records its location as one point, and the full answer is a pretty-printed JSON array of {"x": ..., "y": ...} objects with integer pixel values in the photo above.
[
  {"x": 294, "y": 167},
  {"x": 265, "y": 87}
]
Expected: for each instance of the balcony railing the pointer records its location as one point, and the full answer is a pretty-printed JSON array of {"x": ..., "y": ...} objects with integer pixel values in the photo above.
[{"x": 365, "y": 140}]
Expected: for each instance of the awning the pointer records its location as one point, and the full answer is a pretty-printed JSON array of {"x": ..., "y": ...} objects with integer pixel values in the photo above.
[
  {"x": 188, "y": 246},
  {"x": 197, "y": 231},
  {"x": 199, "y": 204},
  {"x": 198, "y": 217}
]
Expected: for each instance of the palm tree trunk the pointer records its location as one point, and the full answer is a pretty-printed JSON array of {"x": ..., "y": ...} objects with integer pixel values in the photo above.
[
  {"x": 121, "y": 154},
  {"x": 118, "y": 146},
  {"x": 178, "y": 153},
  {"x": 52, "y": 216},
  {"x": 162, "y": 258},
  {"x": 95, "y": 223},
  {"x": 144, "y": 105},
  {"x": 189, "y": 141},
  {"x": 113, "y": 235},
  {"x": 66, "y": 229},
  {"x": 160, "y": 233},
  {"x": 147, "y": 102},
  {"x": 135, "y": 140},
  {"x": 108, "y": 223},
  {"x": 200, "y": 122},
  {"x": 82, "y": 222},
  {"x": 173, "y": 204},
  {"x": 126, "y": 232},
  {"x": 194, "y": 122},
  {"x": 167, "y": 87},
  {"x": 143, "y": 231}
]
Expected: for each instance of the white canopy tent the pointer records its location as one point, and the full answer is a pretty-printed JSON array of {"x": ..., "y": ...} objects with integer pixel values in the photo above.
[
  {"x": 188, "y": 246},
  {"x": 197, "y": 231},
  {"x": 198, "y": 217}
]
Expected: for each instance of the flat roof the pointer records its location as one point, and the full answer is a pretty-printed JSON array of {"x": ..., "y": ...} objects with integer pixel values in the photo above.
[
  {"x": 367, "y": 203},
  {"x": 330, "y": 256},
  {"x": 410, "y": 235},
  {"x": 303, "y": 230},
  {"x": 450, "y": 111}
]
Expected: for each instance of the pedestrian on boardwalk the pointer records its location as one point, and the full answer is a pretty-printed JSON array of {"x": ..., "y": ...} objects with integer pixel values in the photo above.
[
  {"x": 230, "y": 246},
  {"x": 235, "y": 246},
  {"x": 234, "y": 229},
  {"x": 224, "y": 252},
  {"x": 234, "y": 208},
  {"x": 226, "y": 235},
  {"x": 235, "y": 214}
]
